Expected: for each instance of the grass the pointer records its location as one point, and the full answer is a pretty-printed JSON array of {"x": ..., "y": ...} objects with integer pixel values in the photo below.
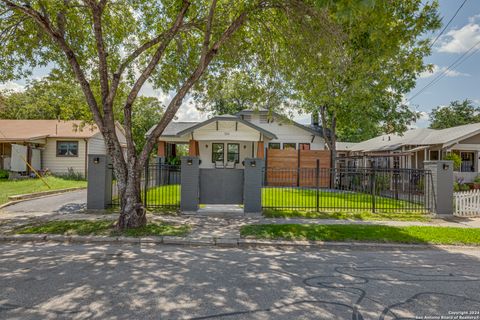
[
  {"x": 104, "y": 228},
  {"x": 17, "y": 187},
  {"x": 347, "y": 215},
  {"x": 168, "y": 195},
  {"x": 291, "y": 198},
  {"x": 367, "y": 233}
]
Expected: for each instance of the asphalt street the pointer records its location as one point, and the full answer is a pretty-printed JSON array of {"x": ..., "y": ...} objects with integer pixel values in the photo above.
[
  {"x": 60, "y": 203},
  {"x": 75, "y": 281}
]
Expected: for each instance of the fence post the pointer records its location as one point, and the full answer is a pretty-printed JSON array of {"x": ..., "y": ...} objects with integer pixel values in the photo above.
[
  {"x": 317, "y": 183},
  {"x": 440, "y": 199},
  {"x": 190, "y": 183},
  {"x": 373, "y": 188},
  {"x": 100, "y": 178},
  {"x": 145, "y": 186},
  {"x": 252, "y": 192}
]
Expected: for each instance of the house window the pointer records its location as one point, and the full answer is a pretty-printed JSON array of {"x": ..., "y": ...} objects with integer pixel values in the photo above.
[
  {"x": 468, "y": 162},
  {"x": 67, "y": 148},
  {"x": 247, "y": 117},
  {"x": 218, "y": 150},
  {"x": 434, "y": 155},
  {"x": 233, "y": 152},
  {"x": 290, "y": 145},
  {"x": 304, "y": 146},
  {"x": 264, "y": 118},
  {"x": 274, "y": 145}
]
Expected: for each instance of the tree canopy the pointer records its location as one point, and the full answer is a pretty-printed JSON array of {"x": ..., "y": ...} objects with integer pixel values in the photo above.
[{"x": 457, "y": 113}]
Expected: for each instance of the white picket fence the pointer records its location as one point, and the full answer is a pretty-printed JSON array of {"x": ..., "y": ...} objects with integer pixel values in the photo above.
[{"x": 467, "y": 204}]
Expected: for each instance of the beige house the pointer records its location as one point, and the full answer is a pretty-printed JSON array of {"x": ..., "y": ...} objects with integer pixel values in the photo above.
[
  {"x": 59, "y": 146},
  {"x": 417, "y": 145}
]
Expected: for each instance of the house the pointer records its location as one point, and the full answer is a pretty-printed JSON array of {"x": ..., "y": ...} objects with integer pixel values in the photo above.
[
  {"x": 226, "y": 140},
  {"x": 59, "y": 146},
  {"x": 417, "y": 145}
]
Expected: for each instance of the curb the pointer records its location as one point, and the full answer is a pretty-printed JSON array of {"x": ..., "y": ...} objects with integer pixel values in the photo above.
[
  {"x": 221, "y": 242},
  {"x": 37, "y": 195}
]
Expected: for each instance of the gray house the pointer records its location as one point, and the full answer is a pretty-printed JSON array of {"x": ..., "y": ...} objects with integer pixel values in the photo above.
[{"x": 417, "y": 145}]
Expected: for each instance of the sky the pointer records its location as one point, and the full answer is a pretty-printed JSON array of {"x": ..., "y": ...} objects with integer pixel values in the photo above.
[{"x": 460, "y": 82}]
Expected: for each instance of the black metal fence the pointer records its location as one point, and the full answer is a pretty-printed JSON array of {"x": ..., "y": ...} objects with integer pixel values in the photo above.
[
  {"x": 367, "y": 189},
  {"x": 160, "y": 185}
]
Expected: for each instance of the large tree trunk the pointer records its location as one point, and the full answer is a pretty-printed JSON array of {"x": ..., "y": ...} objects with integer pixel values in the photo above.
[{"x": 132, "y": 211}]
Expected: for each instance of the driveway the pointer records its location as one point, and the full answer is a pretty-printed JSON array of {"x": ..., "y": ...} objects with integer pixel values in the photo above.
[
  {"x": 109, "y": 281},
  {"x": 67, "y": 202}
]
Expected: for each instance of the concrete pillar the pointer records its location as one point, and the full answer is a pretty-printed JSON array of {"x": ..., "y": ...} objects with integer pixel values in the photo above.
[
  {"x": 252, "y": 192},
  {"x": 441, "y": 198},
  {"x": 190, "y": 182},
  {"x": 99, "y": 189}
]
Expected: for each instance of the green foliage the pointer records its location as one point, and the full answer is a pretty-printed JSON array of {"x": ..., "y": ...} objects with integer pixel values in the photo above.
[
  {"x": 4, "y": 174},
  {"x": 477, "y": 179},
  {"x": 147, "y": 112},
  {"x": 71, "y": 174},
  {"x": 457, "y": 113},
  {"x": 457, "y": 160},
  {"x": 382, "y": 182}
]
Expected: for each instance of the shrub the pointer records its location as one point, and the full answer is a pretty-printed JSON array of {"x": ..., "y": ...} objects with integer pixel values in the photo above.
[
  {"x": 71, "y": 175},
  {"x": 4, "y": 174},
  {"x": 457, "y": 160},
  {"x": 477, "y": 179}
]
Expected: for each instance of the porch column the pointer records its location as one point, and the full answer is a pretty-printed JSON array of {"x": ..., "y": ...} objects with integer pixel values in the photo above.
[
  {"x": 193, "y": 148},
  {"x": 161, "y": 149},
  {"x": 439, "y": 189},
  {"x": 260, "y": 150},
  {"x": 190, "y": 184}
]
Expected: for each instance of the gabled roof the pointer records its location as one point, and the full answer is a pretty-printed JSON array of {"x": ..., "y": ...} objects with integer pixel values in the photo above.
[
  {"x": 419, "y": 137},
  {"x": 316, "y": 130},
  {"x": 27, "y": 130},
  {"x": 227, "y": 117}
]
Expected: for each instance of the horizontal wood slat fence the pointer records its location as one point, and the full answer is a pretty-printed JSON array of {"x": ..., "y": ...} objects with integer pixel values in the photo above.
[{"x": 292, "y": 160}]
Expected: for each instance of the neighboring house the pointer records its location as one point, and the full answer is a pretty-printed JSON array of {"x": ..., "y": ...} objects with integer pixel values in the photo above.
[
  {"x": 58, "y": 146},
  {"x": 226, "y": 140},
  {"x": 417, "y": 145}
]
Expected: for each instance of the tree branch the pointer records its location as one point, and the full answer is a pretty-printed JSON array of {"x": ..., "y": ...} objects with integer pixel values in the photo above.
[
  {"x": 208, "y": 33},
  {"x": 127, "y": 109},
  {"x": 177, "y": 100}
]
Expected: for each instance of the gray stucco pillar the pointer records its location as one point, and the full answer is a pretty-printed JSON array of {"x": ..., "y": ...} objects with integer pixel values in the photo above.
[
  {"x": 190, "y": 182},
  {"x": 99, "y": 185},
  {"x": 252, "y": 192},
  {"x": 441, "y": 199}
]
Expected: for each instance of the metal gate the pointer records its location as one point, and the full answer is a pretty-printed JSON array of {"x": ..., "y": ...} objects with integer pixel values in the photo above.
[{"x": 221, "y": 186}]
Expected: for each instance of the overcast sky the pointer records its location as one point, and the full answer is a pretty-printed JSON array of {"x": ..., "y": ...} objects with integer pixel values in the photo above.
[{"x": 460, "y": 82}]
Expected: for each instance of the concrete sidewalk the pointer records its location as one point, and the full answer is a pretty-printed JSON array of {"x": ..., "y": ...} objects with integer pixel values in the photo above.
[{"x": 224, "y": 226}]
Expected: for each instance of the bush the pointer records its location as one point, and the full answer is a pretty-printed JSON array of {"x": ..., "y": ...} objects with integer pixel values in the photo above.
[
  {"x": 477, "y": 180},
  {"x": 4, "y": 174},
  {"x": 457, "y": 160},
  {"x": 71, "y": 175}
]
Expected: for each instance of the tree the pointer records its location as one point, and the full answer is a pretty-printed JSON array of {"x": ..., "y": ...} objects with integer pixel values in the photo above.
[
  {"x": 171, "y": 43},
  {"x": 455, "y": 114},
  {"x": 53, "y": 97},
  {"x": 59, "y": 97}
]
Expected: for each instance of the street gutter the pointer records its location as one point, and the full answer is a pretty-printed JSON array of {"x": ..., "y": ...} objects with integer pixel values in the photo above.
[{"x": 220, "y": 242}]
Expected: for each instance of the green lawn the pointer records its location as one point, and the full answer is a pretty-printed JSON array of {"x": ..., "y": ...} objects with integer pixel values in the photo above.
[
  {"x": 290, "y": 198},
  {"x": 16, "y": 187},
  {"x": 347, "y": 215},
  {"x": 368, "y": 233},
  {"x": 168, "y": 195},
  {"x": 105, "y": 228}
]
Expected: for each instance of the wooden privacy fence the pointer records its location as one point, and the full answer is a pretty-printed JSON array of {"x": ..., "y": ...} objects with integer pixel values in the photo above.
[
  {"x": 301, "y": 166},
  {"x": 467, "y": 204}
]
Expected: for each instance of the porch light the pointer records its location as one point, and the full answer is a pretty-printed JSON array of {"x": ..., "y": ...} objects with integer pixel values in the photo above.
[
  {"x": 96, "y": 160},
  {"x": 445, "y": 166},
  {"x": 189, "y": 162},
  {"x": 253, "y": 163}
]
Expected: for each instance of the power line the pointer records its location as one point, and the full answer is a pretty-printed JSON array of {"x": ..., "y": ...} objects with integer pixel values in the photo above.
[
  {"x": 448, "y": 23},
  {"x": 451, "y": 67}
]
